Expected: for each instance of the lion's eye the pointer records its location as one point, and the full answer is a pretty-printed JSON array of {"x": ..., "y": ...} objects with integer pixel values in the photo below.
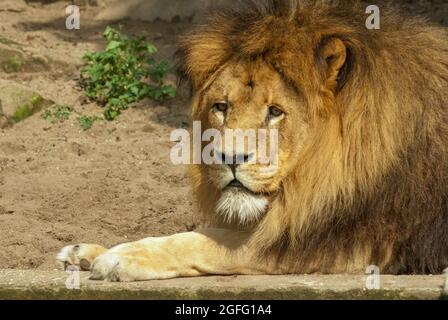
[
  {"x": 275, "y": 112},
  {"x": 221, "y": 107}
]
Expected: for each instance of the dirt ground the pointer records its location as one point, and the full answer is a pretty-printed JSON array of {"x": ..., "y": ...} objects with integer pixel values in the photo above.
[
  {"x": 113, "y": 183},
  {"x": 110, "y": 184}
]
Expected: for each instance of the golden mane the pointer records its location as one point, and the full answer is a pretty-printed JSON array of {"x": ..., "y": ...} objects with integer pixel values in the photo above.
[{"x": 374, "y": 179}]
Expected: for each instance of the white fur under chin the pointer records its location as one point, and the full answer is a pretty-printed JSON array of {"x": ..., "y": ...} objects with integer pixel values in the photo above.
[{"x": 242, "y": 207}]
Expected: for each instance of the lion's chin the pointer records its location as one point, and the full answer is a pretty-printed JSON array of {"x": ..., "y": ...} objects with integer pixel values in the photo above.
[{"x": 241, "y": 206}]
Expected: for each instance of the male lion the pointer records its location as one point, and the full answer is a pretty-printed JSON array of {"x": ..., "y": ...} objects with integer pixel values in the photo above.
[{"x": 362, "y": 174}]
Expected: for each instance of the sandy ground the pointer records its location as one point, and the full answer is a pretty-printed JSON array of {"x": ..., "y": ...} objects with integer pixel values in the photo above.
[
  {"x": 111, "y": 184},
  {"x": 114, "y": 183}
]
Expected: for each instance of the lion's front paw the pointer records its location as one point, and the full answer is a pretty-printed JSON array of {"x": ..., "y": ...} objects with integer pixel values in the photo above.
[
  {"x": 138, "y": 261},
  {"x": 81, "y": 255},
  {"x": 111, "y": 267},
  {"x": 121, "y": 267}
]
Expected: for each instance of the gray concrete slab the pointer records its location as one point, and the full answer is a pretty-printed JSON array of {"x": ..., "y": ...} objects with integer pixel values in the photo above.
[{"x": 33, "y": 284}]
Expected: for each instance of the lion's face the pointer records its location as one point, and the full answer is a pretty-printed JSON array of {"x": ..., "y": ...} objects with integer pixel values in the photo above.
[{"x": 251, "y": 96}]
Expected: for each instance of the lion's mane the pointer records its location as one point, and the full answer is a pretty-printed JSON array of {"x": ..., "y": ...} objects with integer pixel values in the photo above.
[{"x": 372, "y": 183}]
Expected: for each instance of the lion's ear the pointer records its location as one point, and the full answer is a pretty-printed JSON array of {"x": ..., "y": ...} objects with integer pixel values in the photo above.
[{"x": 333, "y": 54}]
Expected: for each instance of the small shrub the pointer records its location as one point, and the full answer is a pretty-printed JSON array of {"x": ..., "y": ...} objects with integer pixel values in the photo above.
[
  {"x": 124, "y": 73},
  {"x": 61, "y": 113},
  {"x": 87, "y": 122},
  {"x": 58, "y": 113}
]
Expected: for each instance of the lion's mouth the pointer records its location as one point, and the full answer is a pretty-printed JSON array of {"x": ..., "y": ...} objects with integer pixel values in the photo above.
[{"x": 237, "y": 185}]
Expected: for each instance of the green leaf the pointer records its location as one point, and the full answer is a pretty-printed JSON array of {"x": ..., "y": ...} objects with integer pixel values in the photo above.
[
  {"x": 111, "y": 114},
  {"x": 151, "y": 49},
  {"x": 46, "y": 115},
  {"x": 113, "y": 45},
  {"x": 86, "y": 122},
  {"x": 169, "y": 91},
  {"x": 135, "y": 90}
]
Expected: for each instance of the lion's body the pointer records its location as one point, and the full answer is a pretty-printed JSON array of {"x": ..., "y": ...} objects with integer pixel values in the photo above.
[
  {"x": 363, "y": 176},
  {"x": 372, "y": 185}
]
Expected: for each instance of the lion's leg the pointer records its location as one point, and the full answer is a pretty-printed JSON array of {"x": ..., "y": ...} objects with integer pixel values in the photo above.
[
  {"x": 211, "y": 251},
  {"x": 81, "y": 255}
]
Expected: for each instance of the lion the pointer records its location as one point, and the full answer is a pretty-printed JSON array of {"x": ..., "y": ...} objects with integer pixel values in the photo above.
[{"x": 362, "y": 166}]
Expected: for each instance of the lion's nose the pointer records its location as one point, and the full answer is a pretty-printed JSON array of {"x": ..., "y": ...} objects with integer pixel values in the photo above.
[{"x": 236, "y": 160}]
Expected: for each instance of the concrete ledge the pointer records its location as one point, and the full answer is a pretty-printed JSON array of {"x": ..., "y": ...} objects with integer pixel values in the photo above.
[{"x": 32, "y": 284}]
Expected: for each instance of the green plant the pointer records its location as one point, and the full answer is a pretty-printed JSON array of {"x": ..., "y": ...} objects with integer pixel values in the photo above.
[
  {"x": 87, "y": 122},
  {"x": 124, "y": 73},
  {"x": 61, "y": 113}
]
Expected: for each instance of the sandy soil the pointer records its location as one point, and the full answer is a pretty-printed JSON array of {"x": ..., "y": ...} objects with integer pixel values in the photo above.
[
  {"x": 111, "y": 184},
  {"x": 114, "y": 183}
]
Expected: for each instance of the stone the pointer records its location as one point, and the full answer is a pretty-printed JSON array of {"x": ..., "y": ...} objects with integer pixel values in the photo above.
[
  {"x": 18, "y": 6},
  {"x": 41, "y": 284},
  {"x": 3, "y": 119},
  {"x": 150, "y": 10},
  {"x": 19, "y": 102},
  {"x": 14, "y": 57},
  {"x": 11, "y": 59}
]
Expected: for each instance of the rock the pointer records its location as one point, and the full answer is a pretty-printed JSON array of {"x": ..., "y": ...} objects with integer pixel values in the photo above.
[
  {"x": 11, "y": 59},
  {"x": 39, "y": 284},
  {"x": 3, "y": 119},
  {"x": 167, "y": 10},
  {"x": 19, "y": 102},
  {"x": 18, "y": 6},
  {"x": 14, "y": 57}
]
